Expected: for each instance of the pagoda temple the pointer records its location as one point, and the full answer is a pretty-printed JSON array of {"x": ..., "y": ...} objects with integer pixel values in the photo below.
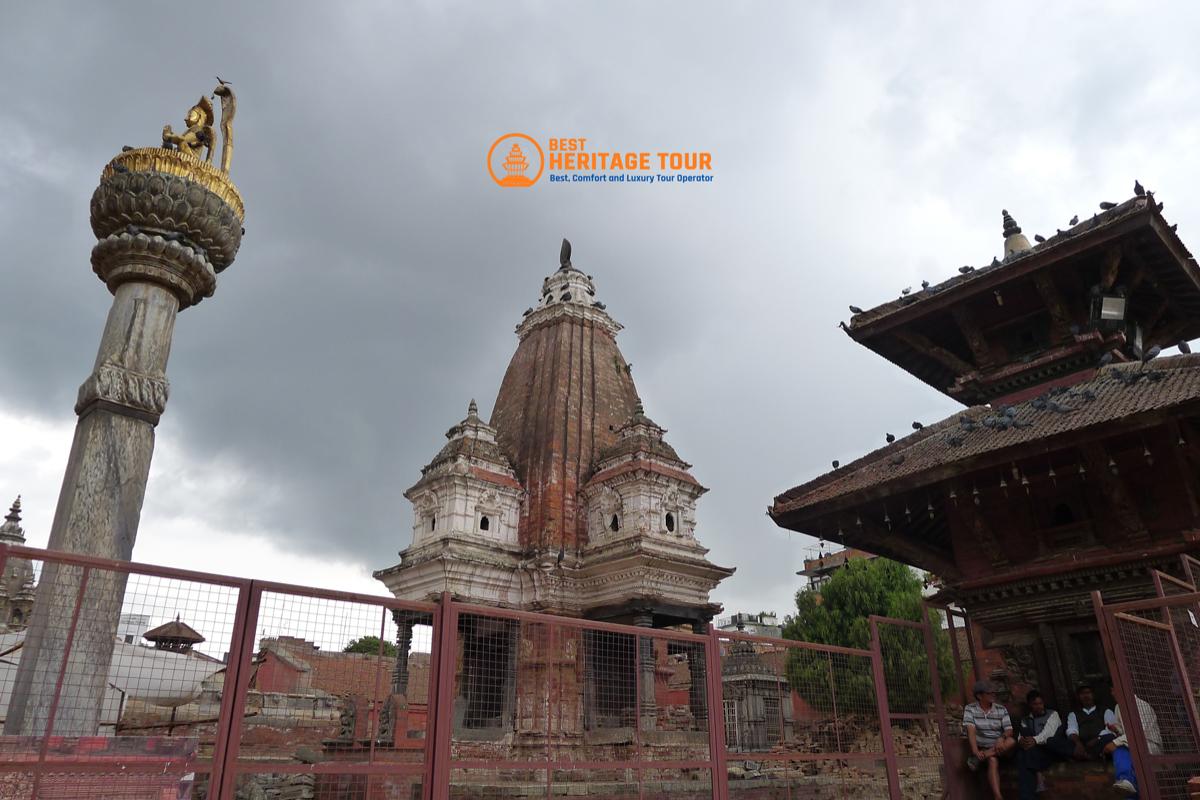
[{"x": 1073, "y": 464}]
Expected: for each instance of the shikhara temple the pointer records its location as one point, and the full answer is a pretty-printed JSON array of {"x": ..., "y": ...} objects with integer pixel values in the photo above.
[
  {"x": 569, "y": 501},
  {"x": 1073, "y": 464}
]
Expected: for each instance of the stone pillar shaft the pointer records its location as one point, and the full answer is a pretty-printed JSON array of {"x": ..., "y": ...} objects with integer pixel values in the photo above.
[
  {"x": 99, "y": 507},
  {"x": 646, "y": 700}
]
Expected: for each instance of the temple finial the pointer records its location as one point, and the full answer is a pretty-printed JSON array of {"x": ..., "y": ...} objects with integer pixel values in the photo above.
[
  {"x": 1010, "y": 225},
  {"x": 14, "y": 513},
  {"x": 564, "y": 255},
  {"x": 1014, "y": 241},
  {"x": 472, "y": 409}
]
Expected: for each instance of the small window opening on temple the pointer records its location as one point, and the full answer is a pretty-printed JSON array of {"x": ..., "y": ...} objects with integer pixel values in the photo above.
[
  {"x": 670, "y": 522},
  {"x": 484, "y": 523},
  {"x": 432, "y": 523},
  {"x": 614, "y": 524}
]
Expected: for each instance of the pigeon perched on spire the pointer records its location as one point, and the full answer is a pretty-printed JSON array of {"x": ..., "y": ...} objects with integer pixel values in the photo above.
[{"x": 564, "y": 255}]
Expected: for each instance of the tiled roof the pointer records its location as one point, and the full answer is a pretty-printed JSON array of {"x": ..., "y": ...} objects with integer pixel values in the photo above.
[
  {"x": 173, "y": 630},
  {"x": 1115, "y": 392},
  {"x": 1102, "y": 220}
]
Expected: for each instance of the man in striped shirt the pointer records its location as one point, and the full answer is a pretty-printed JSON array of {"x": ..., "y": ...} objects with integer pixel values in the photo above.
[{"x": 989, "y": 734}]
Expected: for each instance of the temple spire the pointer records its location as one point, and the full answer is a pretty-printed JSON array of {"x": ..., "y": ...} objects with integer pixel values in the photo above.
[
  {"x": 14, "y": 513},
  {"x": 564, "y": 255},
  {"x": 472, "y": 409}
]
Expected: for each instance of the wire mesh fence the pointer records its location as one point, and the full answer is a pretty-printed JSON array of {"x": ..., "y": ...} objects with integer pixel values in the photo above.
[
  {"x": 135, "y": 681},
  {"x": 1155, "y": 659}
]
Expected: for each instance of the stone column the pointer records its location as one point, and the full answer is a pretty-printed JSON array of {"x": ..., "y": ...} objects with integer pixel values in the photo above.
[
  {"x": 404, "y": 623},
  {"x": 167, "y": 223},
  {"x": 648, "y": 720}
]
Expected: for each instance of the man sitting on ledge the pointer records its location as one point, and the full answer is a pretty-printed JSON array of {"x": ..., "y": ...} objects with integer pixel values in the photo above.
[
  {"x": 1087, "y": 727},
  {"x": 1118, "y": 748},
  {"x": 989, "y": 734},
  {"x": 1042, "y": 742}
]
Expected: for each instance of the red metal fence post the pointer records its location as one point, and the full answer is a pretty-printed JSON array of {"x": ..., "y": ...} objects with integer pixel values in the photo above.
[
  {"x": 443, "y": 677},
  {"x": 939, "y": 710},
  {"x": 245, "y": 647},
  {"x": 885, "y": 716},
  {"x": 238, "y": 660},
  {"x": 716, "y": 716}
]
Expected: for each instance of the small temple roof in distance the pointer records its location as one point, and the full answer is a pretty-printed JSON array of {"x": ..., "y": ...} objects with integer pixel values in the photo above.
[
  {"x": 1115, "y": 395},
  {"x": 173, "y": 631}
]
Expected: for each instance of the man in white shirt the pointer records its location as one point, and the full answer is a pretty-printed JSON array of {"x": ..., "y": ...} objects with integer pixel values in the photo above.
[
  {"x": 1118, "y": 748},
  {"x": 1040, "y": 744}
]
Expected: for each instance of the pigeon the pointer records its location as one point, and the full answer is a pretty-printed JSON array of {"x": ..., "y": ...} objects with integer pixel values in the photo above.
[
  {"x": 1159, "y": 208},
  {"x": 1010, "y": 412},
  {"x": 1038, "y": 404},
  {"x": 527, "y": 312},
  {"x": 966, "y": 270},
  {"x": 836, "y": 463},
  {"x": 843, "y": 325},
  {"x": 896, "y": 460},
  {"x": 1138, "y": 189},
  {"x": 173, "y": 236},
  {"x": 1106, "y": 359},
  {"x": 995, "y": 261},
  {"x": 906, "y": 290},
  {"x": 1150, "y": 354},
  {"x": 1075, "y": 220},
  {"x": 1184, "y": 347},
  {"x": 599, "y": 305},
  {"x": 954, "y": 441},
  {"x": 1037, "y": 237},
  {"x": 917, "y": 426},
  {"x": 1174, "y": 227},
  {"x": 924, "y": 285},
  {"x": 132, "y": 230},
  {"x": 1058, "y": 231},
  {"x": 119, "y": 167},
  {"x": 1105, "y": 206},
  {"x": 1088, "y": 395},
  {"x": 125, "y": 148},
  {"x": 855, "y": 310},
  {"x": 890, "y": 438}
]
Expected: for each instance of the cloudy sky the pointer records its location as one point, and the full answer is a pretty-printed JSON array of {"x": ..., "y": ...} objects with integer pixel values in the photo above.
[{"x": 857, "y": 148}]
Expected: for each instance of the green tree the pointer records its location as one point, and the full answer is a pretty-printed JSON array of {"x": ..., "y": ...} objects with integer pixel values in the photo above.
[
  {"x": 370, "y": 646},
  {"x": 838, "y": 615}
]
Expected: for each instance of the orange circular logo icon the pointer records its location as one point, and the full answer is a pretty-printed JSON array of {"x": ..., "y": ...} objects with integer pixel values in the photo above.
[{"x": 511, "y": 159}]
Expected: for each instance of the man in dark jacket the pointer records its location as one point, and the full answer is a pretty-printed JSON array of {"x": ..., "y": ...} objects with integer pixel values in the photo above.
[{"x": 1041, "y": 741}]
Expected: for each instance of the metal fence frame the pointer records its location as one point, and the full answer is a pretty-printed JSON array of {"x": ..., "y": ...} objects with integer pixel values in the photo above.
[
  {"x": 434, "y": 770},
  {"x": 1153, "y": 614}
]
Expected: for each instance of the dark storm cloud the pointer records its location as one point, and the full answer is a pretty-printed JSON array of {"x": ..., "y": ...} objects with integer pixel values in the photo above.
[{"x": 856, "y": 152}]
